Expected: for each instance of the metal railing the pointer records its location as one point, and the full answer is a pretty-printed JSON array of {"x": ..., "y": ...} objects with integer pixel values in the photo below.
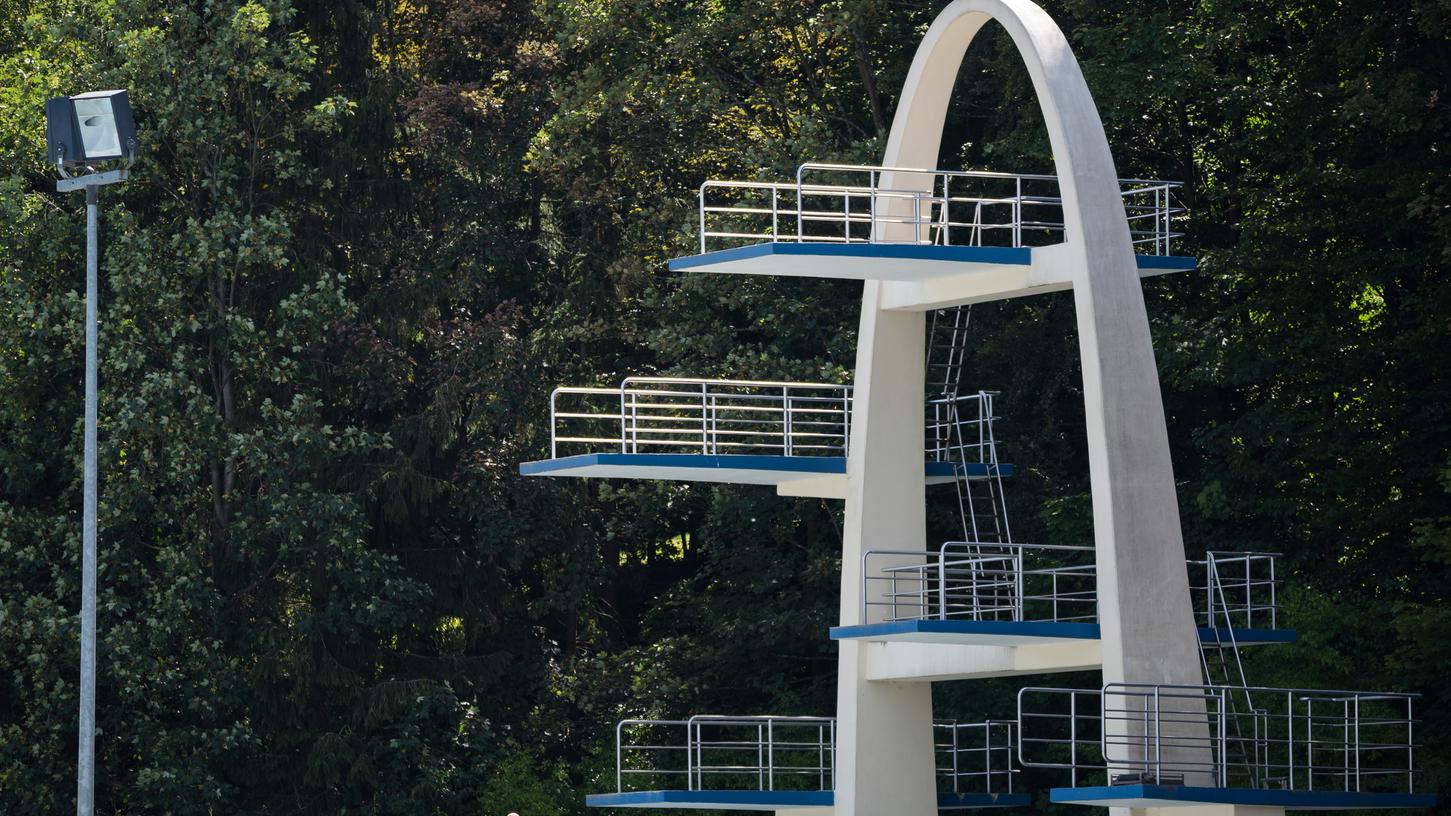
[
  {"x": 1283, "y": 738},
  {"x": 687, "y": 415},
  {"x": 1240, "y": 587},
  {"x": 842, "y": 203},
  {"x": 976, "y": 757},
  {"x": 769, "y": 753},
  {"x": 1041, "y": 582}
]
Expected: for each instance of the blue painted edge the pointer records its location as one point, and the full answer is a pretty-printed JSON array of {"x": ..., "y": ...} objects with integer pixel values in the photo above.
[
  {"x": 711, "y": 797},
  {"x": 824, "y": 465},
  {"x": 1020, "y": 256},
  {"x": 1084, "y": 631},
  {"x": 1016, "y": 256},
  {"x": 791, "y": 464},
  {"x": 950, "y": 801},
  {"x": 974, "y": 469},
  {"x": 1247, "y": 636},
  {"x": 946, "y": 801},
  {"x": 1312, "y": 800},
  {"x": 1173, "y": 263}
]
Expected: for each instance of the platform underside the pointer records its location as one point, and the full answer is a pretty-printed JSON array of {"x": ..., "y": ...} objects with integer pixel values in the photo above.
[
  {"x": 921, "y": 276},
  {"x": 1025, "y": 633},
  {"x": 779, "y": 800},
  {"x": 815, "y": 476},
  {"x": 1147, "y": 796}
]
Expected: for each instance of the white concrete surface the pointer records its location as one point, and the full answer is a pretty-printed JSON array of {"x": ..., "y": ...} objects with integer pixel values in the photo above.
[{"x": 1148, "y": 633}]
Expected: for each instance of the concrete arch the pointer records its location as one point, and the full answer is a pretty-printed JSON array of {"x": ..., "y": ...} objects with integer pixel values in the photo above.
[{"x": 1148, "y": 631}]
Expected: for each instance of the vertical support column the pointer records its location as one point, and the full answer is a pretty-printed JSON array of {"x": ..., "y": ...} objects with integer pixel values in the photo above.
[{"x": 885, "y": 758}]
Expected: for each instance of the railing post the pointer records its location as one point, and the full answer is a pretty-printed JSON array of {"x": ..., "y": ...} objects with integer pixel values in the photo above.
[
  {"x": 1073, "y": 735},
  {"x": 1356, "y": 711},
  {"x": 775, "y": 214},
  {"x": 942, "y": 582},
  {"x": 1224, "y": 737},
  {"x": 625, "y": 424},
  {"x": 955, "y": 747},
  {"x": 619, "y": 765},
  {"x": 786, "y": 403},
  {"x": 702, "y": 218},
  {"x": 1018, "y": 212},
  {"x": 553, "y": 429},
  {"x": 770, "y": 754}
]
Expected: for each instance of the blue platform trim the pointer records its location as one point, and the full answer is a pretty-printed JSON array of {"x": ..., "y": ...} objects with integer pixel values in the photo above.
[
  {"x": 1020, "y": 256},
  {"x": 783, "y": 799},
  {"x": 811, "y": 465},
  {"x": 761, "y": 799},
  {"x": 1173, "y": 263},
  {"x": 1015, "y": 256},
  {"x": 1084, "y": 631},
  {"x": 953, "y": 801},
  {"x": 1047, "y": 629},
  {"x": 1289, "y": 799},
  {"x": 1244, "y": 636},
  {"x": 791, "y": 464}
]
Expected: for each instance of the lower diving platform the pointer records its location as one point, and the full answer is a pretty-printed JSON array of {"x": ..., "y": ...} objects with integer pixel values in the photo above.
[
  {"x": 793, "y": 436},
  {"x": 1139, "y": 745},
  {"x": 1169, "y": 796},
  {"x": 787, "y": 765},
  {"x": 817, "y": 801}
]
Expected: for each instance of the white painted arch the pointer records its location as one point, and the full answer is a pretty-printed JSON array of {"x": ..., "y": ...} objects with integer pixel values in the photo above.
[{"x": 884, "y": 752}]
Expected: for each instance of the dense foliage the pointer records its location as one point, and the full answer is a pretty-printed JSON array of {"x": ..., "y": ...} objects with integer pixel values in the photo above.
[{"x": 366, "y": 238}]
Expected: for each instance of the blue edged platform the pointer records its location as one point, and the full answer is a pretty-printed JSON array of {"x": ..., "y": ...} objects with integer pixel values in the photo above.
[
  {"x": 1020, "y": 633},
  {"x": 1141, "y": 796},
  {"x": 735, "y": 469},
  {"x": 771, "y": 800}
]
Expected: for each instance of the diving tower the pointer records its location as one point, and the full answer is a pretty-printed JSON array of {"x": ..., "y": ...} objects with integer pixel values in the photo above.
[{"x": 1176, "y": 723}]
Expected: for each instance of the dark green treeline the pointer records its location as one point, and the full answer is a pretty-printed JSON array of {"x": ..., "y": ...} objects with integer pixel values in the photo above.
[{"x": 367, "y": 238}]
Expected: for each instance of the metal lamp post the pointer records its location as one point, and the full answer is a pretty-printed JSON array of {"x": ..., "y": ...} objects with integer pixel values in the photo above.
[{"x": 85, "y": 135}]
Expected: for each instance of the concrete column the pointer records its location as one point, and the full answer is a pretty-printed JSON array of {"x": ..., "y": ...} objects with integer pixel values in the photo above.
[{"x": 884, "y": 759}]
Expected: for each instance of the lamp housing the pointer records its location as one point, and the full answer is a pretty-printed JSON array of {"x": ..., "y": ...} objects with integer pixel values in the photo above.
[{"x": 88, "y": 128}]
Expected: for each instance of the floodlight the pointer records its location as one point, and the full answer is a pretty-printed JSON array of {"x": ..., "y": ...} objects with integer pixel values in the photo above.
[{"x": 89, "y": 127}]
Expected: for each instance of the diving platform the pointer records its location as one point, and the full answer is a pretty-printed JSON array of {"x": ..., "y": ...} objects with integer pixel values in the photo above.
[
  {"x": 793, "y": 436},
  {"x": 1030, "y": 595},
  {"x": 1166, "y": 796},
  {"x": 817, "y": 801},
  {"x": 787, "y": 765},
  {"x": 1139, "y": 745},
  {"x": 938, "y": 238},
  {"x": 816, "y": 476},
  {"x": 1028, "y": 633}
]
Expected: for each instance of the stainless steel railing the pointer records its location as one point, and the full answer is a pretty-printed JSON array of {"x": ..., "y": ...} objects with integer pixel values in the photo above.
[
  {"x": 767, "y": 753},
  {"x": 976, "y": 757},
  {"x": 1224, "y": 736},
  {"x": 704, "y": 416},
  {"x": 1041, "y": 582},
  {"x": 1240, "y": 587},
  {"x": 842, "y": 203}
]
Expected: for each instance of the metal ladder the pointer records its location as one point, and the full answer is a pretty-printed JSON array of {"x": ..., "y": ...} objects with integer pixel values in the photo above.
[
  {"x": 1226, "y": 669},
  {"x": 980, "y": 502}
]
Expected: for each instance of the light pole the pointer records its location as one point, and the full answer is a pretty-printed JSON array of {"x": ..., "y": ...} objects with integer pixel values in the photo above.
[{"x": 82, "y": 133}]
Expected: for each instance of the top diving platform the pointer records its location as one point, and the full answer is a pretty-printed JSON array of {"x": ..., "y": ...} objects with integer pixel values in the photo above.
[
  {"x": 939, "y": 238},
  {"x": 792, "y": 435}
]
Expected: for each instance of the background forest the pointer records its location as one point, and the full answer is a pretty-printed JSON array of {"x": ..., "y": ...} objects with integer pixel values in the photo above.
[{"x": 367, "y": 237}]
